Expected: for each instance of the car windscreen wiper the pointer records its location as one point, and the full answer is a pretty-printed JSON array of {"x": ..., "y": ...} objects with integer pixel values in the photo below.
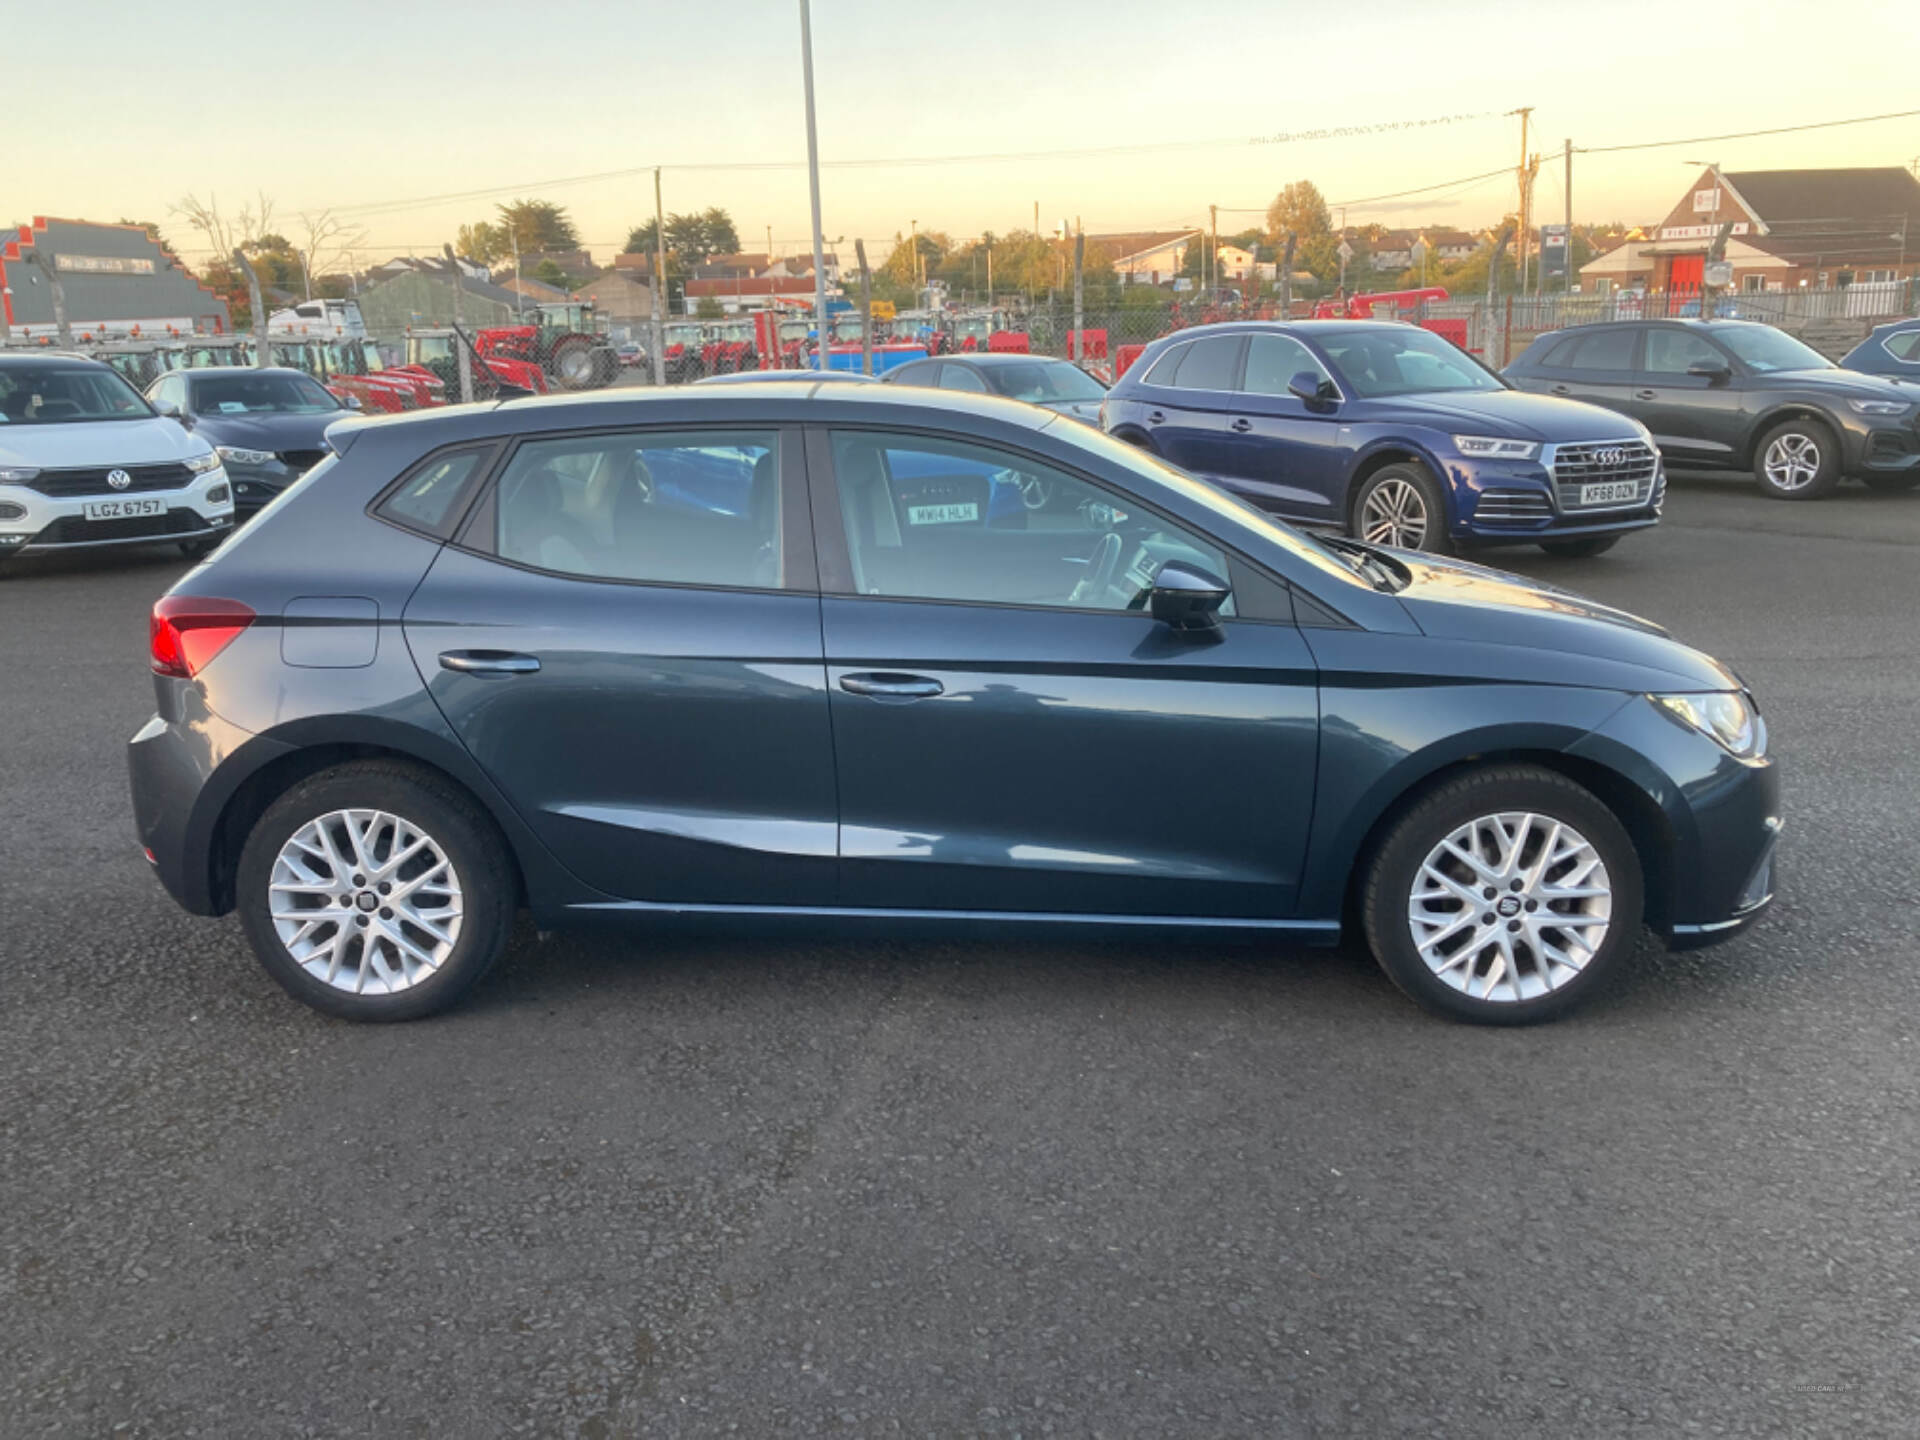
[{"x": 1379, "y": 571}]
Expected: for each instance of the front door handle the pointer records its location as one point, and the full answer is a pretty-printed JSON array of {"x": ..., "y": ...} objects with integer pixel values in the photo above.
[
  {"x": 1563, "y": 389},
  {"x": 1646, "y": 394},
  {"x": 1154, "y": 417},
  {"x": 1242, "y": 425},
  {"x": 488, "y": 662},
  {"x": 890, "y": 685}
]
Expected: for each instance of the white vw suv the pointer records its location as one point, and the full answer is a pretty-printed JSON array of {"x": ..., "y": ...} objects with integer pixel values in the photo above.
[{"x": 85, "y": 461}]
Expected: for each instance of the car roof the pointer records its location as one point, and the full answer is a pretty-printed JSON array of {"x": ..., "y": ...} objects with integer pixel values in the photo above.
[
  {"x": 997, "y": 357},
  {"x": 761, "y": 402},
  {"x": 201, "y": 370},
  {"x": 64, "y": 359}
]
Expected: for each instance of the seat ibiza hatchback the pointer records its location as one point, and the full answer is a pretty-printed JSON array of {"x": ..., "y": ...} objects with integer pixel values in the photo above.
[{"x": 773, "y": 651}]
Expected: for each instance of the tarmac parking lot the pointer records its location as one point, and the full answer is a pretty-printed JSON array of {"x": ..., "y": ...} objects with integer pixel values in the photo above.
[{"x": 870, "y": 1185}]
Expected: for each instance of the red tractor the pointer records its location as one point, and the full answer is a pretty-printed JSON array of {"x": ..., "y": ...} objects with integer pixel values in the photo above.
[
  {"x": 561, "y": 341},
  {"x": 350, "y": 367},
  {"x": 681, "y": 351},
  {"x": 729, "y": 348},
  {"x": 433, "y": 354}
]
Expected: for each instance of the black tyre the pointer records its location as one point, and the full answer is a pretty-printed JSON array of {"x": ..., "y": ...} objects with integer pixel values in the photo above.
[
  {"x": 1797, "y": 460},
  {"x": 376, "y": 891},
  {"x": 1580, "y": 549},
  {"x": 1402, "y": 506},
  {"x": 1504, "y": 897},
  {"x": 1891, "y": 484}
]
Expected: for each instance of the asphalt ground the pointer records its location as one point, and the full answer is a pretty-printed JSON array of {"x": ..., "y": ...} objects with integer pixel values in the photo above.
[{"x": 701, "y": 1184}]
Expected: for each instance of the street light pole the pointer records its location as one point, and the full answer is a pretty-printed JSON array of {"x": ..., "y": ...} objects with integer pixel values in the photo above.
[{"x": 813, "y": 185}]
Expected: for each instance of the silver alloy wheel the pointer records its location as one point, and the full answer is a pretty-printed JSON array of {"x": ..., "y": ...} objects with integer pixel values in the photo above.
[
  {"x": 1511, "y": 906},
  {"x": 1394, "y": 513},
  {"x": 365, "y": 901},
  {"x": 1792, "y": 461}
]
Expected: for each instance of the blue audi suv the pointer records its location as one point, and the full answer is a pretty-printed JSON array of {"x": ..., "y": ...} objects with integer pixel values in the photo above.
[
  {"x": 769, "y": 652},
  {"x": 1390, "y": 433}
]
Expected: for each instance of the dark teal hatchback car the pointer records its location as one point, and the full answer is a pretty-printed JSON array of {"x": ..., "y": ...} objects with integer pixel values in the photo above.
[{"x": 517, "y": 655}]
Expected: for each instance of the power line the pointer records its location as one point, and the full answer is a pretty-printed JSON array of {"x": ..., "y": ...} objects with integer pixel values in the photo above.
[{"x": 1744, "y": 134}]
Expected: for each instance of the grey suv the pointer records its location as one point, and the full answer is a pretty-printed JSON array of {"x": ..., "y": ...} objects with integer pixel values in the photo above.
[{"x": 1738, "y": 394}]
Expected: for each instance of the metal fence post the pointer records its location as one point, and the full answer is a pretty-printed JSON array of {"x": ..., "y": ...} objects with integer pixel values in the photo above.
[
  {"x": 262, "y": 358},
  {"x": 461, "y": 359},
  {"x": 1078, "y": 348},
  {"x": 866, "y": 308}
]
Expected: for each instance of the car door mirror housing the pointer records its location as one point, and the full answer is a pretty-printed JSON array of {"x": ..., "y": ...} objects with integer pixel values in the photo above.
[
  {"x": 1313, "y": 389},
  {"x": 1712, "y": 371},
  {"x": 170, "y": 410},
  {"x": 1187, "y": 599}
]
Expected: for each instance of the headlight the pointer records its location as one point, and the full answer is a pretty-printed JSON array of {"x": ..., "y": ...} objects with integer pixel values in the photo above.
[
  {"x": 201, "y": 464},
  {"x": 1878, "y": 407},
  {"x": 17, "y": 474},
  {"x": 1492, "y": 447},
  {"x": 1726, "y": 717},
  {"x": 239, "y": 456}
]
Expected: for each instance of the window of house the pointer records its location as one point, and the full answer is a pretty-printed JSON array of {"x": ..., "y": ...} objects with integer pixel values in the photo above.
[
  {"x": 688, "y": 508},
  {"x": 1753, "y": 284}
]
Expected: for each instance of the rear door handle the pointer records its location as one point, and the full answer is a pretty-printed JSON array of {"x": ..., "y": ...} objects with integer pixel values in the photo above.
[
  {"x": 1242, "y": 425},
  {"x": 1646, "y": 394},
  {"x": 1154, "y": 417},
  {"x": 1563, "y": 389},
  {"x": 488, "y": 662},
  {"x": 889, "y": 685}
]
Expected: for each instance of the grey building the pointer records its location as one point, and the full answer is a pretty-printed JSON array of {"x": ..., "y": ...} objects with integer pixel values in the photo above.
[
  {"x": 423, "y": 295},
  {"x": 114, "y": 277}
]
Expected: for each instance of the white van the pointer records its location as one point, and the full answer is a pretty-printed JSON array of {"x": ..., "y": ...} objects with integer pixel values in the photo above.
[{"x": 320, "y": 320}]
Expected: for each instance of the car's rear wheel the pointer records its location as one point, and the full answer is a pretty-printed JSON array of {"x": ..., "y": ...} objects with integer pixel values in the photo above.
[
  {"x": 1797, "y": 460},
  {"x": 1580, "y": 549},
  {"x": 376, "y": 891},
  {"x": 1401, "y": 505},
  {"x": 1891, "y": 484},
  {"x": 1504, "y": 897}
]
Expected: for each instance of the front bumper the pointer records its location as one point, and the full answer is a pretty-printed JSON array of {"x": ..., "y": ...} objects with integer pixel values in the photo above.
[
  {"x": 31, "y": 522},
  {"x": 1515, "y": 502},
  {"x": 1720, "y": 823}
]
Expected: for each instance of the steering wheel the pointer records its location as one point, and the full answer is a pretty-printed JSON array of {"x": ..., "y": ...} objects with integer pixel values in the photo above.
[
  {"x": 1100, "y": 568},
  {"x": 1035, "y": 490}
]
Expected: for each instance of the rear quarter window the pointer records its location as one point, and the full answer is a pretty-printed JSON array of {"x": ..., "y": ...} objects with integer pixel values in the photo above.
[{"x": 432, "y": 496}]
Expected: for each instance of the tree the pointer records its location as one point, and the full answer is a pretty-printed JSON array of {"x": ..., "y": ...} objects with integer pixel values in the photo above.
[
  {"x": 695, "y": 237},
  {"x": 1298, "y": 208},
  {"x": 931, "y": 246},
  {"x": 537, "y": 225},
  {"x": 224, "y": 234},
  {"x": 328, "y": 243},
  {"x": 549, "y": 273},
  {"x": 708, "y": 308},
  {"x": 483, "y": 243}
]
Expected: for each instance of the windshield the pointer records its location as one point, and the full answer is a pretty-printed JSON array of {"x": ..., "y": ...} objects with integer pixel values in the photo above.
[
  {"x": 973, "y": 328},
  {"x": 1401, "y": 360},
  {"x": 1764, "y": 349},
  {"x": 846, "y": 329},
  {"x": 1231, "y": 508},
  {"x": 1042, "y": 382},
  {"x": 795, "y": 329},
  {"x": 66, "y": 395},
  {"x": 259, "y": 395}
]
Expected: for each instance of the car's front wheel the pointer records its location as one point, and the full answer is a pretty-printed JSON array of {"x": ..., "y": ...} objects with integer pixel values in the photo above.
[
  {"x": 1401, "y": 505},
  {"x": 376, "y": 891},
  {"x": 1797, "y": 460},
  {"x": 1503, "y": 897}
]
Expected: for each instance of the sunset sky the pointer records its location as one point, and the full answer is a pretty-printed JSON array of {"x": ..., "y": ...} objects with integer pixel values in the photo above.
[{"x": 372, "y": 109}]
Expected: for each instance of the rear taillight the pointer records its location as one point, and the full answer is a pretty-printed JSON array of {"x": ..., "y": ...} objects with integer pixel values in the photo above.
[{"x": 187, "y": 631}]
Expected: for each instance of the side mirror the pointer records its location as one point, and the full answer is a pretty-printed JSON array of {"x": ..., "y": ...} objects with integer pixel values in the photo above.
[
  {"x": 1711, "y": 371},
  {"x": 1187, "y": 599},
  {"x": 1309, "y": 387},
  {"x": 352, "y": 402},
  {"x": 170, "y": 410}
]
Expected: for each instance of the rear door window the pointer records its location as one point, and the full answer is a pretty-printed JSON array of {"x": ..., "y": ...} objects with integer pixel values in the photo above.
[{"x": 689, "y": 508}]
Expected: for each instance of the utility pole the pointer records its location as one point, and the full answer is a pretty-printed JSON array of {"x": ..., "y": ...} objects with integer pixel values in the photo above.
[
  {"x": 913, "y": 254},
  {"x": 659, "y": 284},
  {"x": 1525, "y": 112},
  {"x": 1568, "y": 188},
  {"x": 813, "y": 184},
  {"x": 866, "y": 308},
  {"x": 1079, "y": 313},
  {"x": 1286, "y": 275},
  {"x": 1213, "y": 228}
]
